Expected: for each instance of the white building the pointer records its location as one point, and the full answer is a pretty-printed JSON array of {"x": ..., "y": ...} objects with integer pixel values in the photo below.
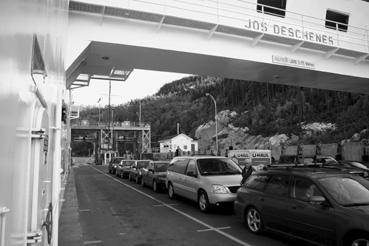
[{"x": 184, "y": 142}]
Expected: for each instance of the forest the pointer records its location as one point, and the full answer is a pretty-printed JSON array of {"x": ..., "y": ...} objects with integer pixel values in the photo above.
[{"x": 266, "y": 109}]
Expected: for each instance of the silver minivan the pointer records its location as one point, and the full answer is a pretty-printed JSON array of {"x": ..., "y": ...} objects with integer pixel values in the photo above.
[{"x": 209, "y": 180}]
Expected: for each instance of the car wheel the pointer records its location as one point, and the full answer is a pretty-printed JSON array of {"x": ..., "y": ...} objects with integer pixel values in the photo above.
[
  {"x": 109, "y": 171},
  {"x": 137, "y": 180},
  {"x": 358, "y": 240},
  {"x": 171, "y": 191},
  {"x": 203, "y": 201},
  {"x": 154, "y": 186},
  {"x": 254, "y": 221}
]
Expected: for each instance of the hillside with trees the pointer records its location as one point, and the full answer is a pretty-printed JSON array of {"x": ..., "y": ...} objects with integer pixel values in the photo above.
[{"x": 265, "y": 109}]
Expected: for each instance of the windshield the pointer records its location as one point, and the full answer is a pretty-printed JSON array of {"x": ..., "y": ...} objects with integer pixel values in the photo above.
[
  {"x": 213, "y": 166},
  {"x": 141, "y": 164},
  {"x": 128, "y": 163},
  {"x": 346, "y": 191},
  {"x": 161, "y": 167}
]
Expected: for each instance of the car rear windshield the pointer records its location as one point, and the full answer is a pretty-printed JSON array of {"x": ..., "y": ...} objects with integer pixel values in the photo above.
[
  {"x": 141, "y": 164},
  {"x": 213, "y": 166},
  {"x": 161, "y": 167},
  {"x": 117, "y": 160},
  {"x": 347, "y": 191}
]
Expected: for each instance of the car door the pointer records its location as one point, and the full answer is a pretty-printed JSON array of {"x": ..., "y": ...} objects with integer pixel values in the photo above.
[
  {"x": 178, "y": 176},
  {"x": 191, "y": 181},
  {"x": 149, "y": 174},
  {"x": 274, "y": 204},
  {"x": 313, "y": 222},
  {"x": 145, "y": 174}
]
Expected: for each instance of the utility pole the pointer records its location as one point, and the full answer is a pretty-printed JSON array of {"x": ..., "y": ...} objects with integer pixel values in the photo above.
[
  {"x": 216, "y": 122},
  {"x": 139, "y": 115},
  {"x": 109, "y": 115}
]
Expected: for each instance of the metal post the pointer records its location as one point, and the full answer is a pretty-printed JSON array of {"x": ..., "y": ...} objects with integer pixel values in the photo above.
[
  {"x": 139, "y": 117},
  {"x": 109, "y": 117},
  {"x": 98, "y": 101},
  {"x": 216, "y": 122},
  {"x": 99, "y": 116},
  {"x": 3, "y": 212}
]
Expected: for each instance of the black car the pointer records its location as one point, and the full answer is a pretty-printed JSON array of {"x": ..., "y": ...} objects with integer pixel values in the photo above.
[
  {"x": 113, "y": 164},
  {"x": 155, "y": 175},
  {"x": 352, "y": 167},
  {"x": 319, "y": 205},
  {"x": 356, "y": 165},
  {"x": 136, "y": 169}
]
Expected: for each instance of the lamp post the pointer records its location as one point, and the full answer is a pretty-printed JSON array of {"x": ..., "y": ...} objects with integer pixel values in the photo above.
[
  {"x": 216, "y": 122},
  {"x": 98, "y": 101}
]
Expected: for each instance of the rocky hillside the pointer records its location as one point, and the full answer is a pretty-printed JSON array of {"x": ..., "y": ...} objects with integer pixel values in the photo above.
[{"x": 251, "y": 114}]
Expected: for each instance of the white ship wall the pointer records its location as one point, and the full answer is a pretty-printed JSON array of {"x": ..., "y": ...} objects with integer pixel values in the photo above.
[
  {"x": 296, "y": 50},
  {"x": 30, "y": 174}
]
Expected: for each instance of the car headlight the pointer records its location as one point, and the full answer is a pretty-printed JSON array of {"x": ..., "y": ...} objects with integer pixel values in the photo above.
[{"x": 219, "y": 189}]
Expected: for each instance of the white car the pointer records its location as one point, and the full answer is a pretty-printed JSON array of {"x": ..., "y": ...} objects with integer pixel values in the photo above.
[{"x": 209, "y": 180}]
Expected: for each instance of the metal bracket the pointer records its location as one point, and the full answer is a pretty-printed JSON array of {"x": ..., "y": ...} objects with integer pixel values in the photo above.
[
  {"x": 34, "y": 237},
  {"x": 40, "y": 134}
]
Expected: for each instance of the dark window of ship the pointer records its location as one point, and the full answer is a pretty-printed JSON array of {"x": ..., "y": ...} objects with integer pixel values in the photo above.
[
  {"x": 272, "y": 7},
  {"x": 337, "y": 21}
]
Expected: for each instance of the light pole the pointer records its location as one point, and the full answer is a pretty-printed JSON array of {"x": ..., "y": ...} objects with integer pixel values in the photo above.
[
  {"x": 98, "y": 101},
  {"x": 216, "y": 122}
]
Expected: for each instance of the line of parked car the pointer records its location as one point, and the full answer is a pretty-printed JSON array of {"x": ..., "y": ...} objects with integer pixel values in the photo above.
[{"x": 325, "y": 203}]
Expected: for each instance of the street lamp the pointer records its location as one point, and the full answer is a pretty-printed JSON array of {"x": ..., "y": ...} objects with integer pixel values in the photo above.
[
  {"x": 98, "y": 101},
  {"x": 216, "y": 122}
]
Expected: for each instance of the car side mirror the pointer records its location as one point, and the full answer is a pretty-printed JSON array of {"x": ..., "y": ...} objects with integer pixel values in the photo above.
[
  {"x": 319, "y": 200},
  {"x": 192, "y": 174}
]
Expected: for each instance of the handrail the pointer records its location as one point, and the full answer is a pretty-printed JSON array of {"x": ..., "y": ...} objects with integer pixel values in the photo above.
[
  {"x": 113, "y": 124},
  {"x": 221, "y": 12},
  {"x": 3, "y": 212}
]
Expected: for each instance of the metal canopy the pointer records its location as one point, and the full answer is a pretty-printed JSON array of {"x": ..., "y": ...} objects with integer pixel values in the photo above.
[{"x": 93, "y": 60}]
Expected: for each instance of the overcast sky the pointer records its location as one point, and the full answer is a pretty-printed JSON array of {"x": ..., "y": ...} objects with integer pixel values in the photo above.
[{"x": 140, "y": 84}]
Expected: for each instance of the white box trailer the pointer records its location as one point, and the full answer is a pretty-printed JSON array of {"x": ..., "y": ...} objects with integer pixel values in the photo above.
[{"x": 253, "y": 157}]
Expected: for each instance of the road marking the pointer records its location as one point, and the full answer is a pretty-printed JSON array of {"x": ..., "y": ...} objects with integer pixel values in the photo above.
[
  {"x": 84, "y": 210},
  {"x": 92, "y": 242},
  {"x": 219, "y": 228},
  {"x": 166, "y": 204},
  {"x": 239, "y": 241}
]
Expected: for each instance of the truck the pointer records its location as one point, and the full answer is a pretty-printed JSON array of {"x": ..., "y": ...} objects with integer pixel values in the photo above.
[{"x": 258, "y": 158}]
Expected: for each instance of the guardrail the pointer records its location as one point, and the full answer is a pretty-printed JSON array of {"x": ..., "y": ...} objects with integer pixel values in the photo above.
[{"x": 112, "y": 125}]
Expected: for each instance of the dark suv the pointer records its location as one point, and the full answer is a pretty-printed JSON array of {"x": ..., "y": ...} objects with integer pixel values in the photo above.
[{"x": 318, "y": 205}]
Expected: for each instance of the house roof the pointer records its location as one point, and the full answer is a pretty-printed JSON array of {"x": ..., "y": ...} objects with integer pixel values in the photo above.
[{"x": 175, "y": 136}]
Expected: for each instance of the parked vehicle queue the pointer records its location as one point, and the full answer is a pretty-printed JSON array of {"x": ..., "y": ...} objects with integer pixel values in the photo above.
[{"x": 317, "y": 204}]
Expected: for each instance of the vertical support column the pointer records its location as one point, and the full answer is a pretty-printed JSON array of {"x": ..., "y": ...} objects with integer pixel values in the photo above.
[
  {"x": 3, "y": 212},
  {"x": 56, "y": 152}
]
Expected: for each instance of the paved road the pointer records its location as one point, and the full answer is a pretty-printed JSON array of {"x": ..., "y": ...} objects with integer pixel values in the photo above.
[{"x": 114, "y": 211}]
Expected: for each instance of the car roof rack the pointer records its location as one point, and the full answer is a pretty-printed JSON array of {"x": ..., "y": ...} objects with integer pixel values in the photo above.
[{"x": 295, "y": 165}]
